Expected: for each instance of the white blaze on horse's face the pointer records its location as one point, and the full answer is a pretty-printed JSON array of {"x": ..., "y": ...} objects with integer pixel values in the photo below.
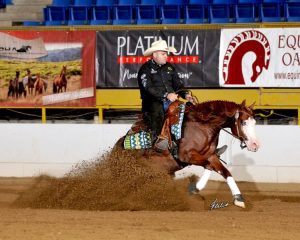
[{"x": 248, "y": 127}]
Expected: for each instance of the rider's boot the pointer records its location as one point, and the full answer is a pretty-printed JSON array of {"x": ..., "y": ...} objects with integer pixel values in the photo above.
[
  {"x": 221, "y": 150},
  {"x": 161, "y": 144}
]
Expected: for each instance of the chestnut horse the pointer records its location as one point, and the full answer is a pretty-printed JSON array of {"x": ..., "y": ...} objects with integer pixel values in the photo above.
[
  {"x": 201, "y": 128},
  {"x": 60, "y": 82}
]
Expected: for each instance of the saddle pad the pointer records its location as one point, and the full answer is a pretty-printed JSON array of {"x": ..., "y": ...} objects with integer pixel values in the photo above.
[
  {"x": 176, "y": 128},
  {"x": 140, "y": 140}
]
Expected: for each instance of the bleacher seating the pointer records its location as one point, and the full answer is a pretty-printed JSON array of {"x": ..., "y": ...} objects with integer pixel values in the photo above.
[
  {"x": 175, "y": 2},
  {"x": 62, "y": 3},
  {"x": 123, "y": 15},
  {"x": 147, "y": 14},
  {"x": 220, "y": 13},
  {"x": 106, "y": 2},
  {"x": 171, "y": 14},
  {"x": 128, "y": 2},
  {"x": 120, "y": 12},
  {"x": 83, "y": 2},
  {"x": 195, "y": 14},
  {"x": 270, "y": 12},
  {"x": 225, "y": 2},
  {"x": 246, "y": 13},
  {"x": 152, "y": 2},
  {"x": 199, "y": 2},
  {"x": 55, "y": 15},
  {"x": 78, "y": 15},
  {"x": 292, "y": 11},
  {"x": 101, "y": 15}
]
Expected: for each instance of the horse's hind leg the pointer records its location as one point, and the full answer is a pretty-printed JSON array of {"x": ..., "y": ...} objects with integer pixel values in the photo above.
[{"x": 217, "y": 166}]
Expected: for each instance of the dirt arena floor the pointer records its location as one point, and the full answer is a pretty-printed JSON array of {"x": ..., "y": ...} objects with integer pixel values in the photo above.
[{"x": 43, "y": 208}]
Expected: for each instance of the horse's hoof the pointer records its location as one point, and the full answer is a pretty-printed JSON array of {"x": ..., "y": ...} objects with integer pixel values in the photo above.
[
  {"x": 239, "y": 201},
  {"x": 192, "y": 189}
]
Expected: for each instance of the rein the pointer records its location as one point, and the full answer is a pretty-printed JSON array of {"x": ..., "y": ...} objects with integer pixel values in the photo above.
[
  {"x": 239, "y": 137},
  {"x": 242, "y": 144}
]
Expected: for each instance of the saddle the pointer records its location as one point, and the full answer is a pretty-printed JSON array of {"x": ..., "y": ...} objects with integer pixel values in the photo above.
[
  {"x": 172, "y": 125},
  {"x": 139, "y": 137}
]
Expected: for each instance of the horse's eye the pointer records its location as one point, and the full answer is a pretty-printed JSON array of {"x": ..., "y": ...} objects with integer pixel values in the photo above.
[{"x": 244, "y": 123}]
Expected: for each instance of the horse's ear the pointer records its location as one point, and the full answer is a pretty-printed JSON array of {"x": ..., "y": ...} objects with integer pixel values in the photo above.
[
  {"x": 243, "y": 102},
  {"x": 252, "y": 106}
]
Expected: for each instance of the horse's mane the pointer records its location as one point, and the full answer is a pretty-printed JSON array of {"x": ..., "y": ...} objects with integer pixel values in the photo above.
[{"x": 213, "y": 112}]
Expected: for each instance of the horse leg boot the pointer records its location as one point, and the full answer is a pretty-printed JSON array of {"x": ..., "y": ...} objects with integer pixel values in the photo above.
[
  {"x": 200, "y": 185},
  {"x": 222, "y": 170},
  {"x": 238, "y": 199}
]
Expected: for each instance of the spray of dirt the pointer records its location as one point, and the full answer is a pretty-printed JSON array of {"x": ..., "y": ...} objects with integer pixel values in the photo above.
[{"x": 119, "y": 180}]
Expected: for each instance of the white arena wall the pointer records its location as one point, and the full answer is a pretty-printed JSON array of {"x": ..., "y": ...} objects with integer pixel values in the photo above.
[{"x": 32, "y": 149}]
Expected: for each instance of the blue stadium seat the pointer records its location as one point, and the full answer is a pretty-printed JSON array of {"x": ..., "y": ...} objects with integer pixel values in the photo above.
[
  {"x": 246, "y": 13},
  {"x": 106, "y": 2},
  {"x": 101, "y": 15},
  {"x": 220, "y": 13},
  {"x": 2, "y": 4},
  {"x": 175, "y": 2},
  {"x": 128, "y": 2},
  {"x": 292, "y": 11},
  {"x": 272, "y": 1},
  {"x": 78, "y": 15},
  {"x": 224, "y": 2},
  {"x": 250, "y": 1},
  {"x": 62, "y": 3},
  {"x": 270, "y": 12},
  {"x": 171, "y": 14},
  {"x": 195, "y": 14},
  {"x": 32, "y": 23},
  {"x": 55, "y": 16},
  {"x": 83, "y": 2},
  {"x": 123, "y": 15},
  {"x": 8, "y": 2},
  {"x": 152, "y": 2},
  {"x": 200, "y": 2},
  {"x": 147, "y": 14}
]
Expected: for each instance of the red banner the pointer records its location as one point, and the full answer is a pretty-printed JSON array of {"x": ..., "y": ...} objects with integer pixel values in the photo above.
[{"x": 47, "y": 68}]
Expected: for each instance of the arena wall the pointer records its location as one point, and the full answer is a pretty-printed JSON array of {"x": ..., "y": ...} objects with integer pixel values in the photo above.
[{"x": 32, "y": 149}]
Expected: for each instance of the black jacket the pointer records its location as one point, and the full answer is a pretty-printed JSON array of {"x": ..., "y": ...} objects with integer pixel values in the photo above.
[{"x": 156, "y": 81}]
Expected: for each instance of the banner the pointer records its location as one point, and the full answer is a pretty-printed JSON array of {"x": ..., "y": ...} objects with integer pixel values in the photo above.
[
  {"x": 52, "y": 68},
  {"x": 120, "y": 55},
  {"x": 265, "y": 57}
]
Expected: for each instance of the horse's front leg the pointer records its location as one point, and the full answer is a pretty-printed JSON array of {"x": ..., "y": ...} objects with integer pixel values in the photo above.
[{"x": 218, "y": 167}]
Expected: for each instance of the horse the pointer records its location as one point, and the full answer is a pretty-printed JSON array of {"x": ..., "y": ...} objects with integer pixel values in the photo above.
[
  {"x": 40, "y": 85},
  {"x": 60, "y": 82},
  {"x": 201, "y": 127},
  {"x": 24, "y": 49}
]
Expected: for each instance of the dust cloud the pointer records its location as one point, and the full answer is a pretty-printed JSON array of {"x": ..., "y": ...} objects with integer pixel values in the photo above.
[{"x": 119, "y": 180}]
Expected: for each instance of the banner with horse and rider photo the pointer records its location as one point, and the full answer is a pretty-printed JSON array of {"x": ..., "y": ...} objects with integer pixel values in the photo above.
[{"x": 47, "y": 68}]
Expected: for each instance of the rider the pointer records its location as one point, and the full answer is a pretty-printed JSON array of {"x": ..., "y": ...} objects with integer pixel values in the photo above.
[{"x": 159, "y": 85}]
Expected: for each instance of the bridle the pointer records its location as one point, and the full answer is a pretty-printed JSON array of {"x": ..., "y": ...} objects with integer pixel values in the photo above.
[{"x": 239, "y": 136}]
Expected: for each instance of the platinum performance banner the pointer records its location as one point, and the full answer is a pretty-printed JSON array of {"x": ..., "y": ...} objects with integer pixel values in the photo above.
[{"x": 119, "y": 56}]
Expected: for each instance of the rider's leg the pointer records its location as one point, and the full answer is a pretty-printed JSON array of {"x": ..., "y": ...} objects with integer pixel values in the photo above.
[{"x": 156, "y": 114}]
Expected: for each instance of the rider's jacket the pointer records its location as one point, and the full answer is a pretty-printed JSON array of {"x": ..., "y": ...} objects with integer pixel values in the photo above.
[{"x": 157, "y": 81}]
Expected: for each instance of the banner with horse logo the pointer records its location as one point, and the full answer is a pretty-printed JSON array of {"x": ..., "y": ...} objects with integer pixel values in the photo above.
[
  {"x": 120, "y": 55},
  {"x": 264, "y": 57},
  {"x": 45, "y": 68}
]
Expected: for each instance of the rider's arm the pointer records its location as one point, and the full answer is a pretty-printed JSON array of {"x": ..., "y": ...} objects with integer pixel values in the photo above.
[{"x": 145, "y": 83}]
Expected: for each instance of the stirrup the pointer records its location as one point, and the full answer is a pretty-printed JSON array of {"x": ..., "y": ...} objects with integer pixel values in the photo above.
[
  {"x": 161, "y": 144},
  {"x": 221, "y": 150}
]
